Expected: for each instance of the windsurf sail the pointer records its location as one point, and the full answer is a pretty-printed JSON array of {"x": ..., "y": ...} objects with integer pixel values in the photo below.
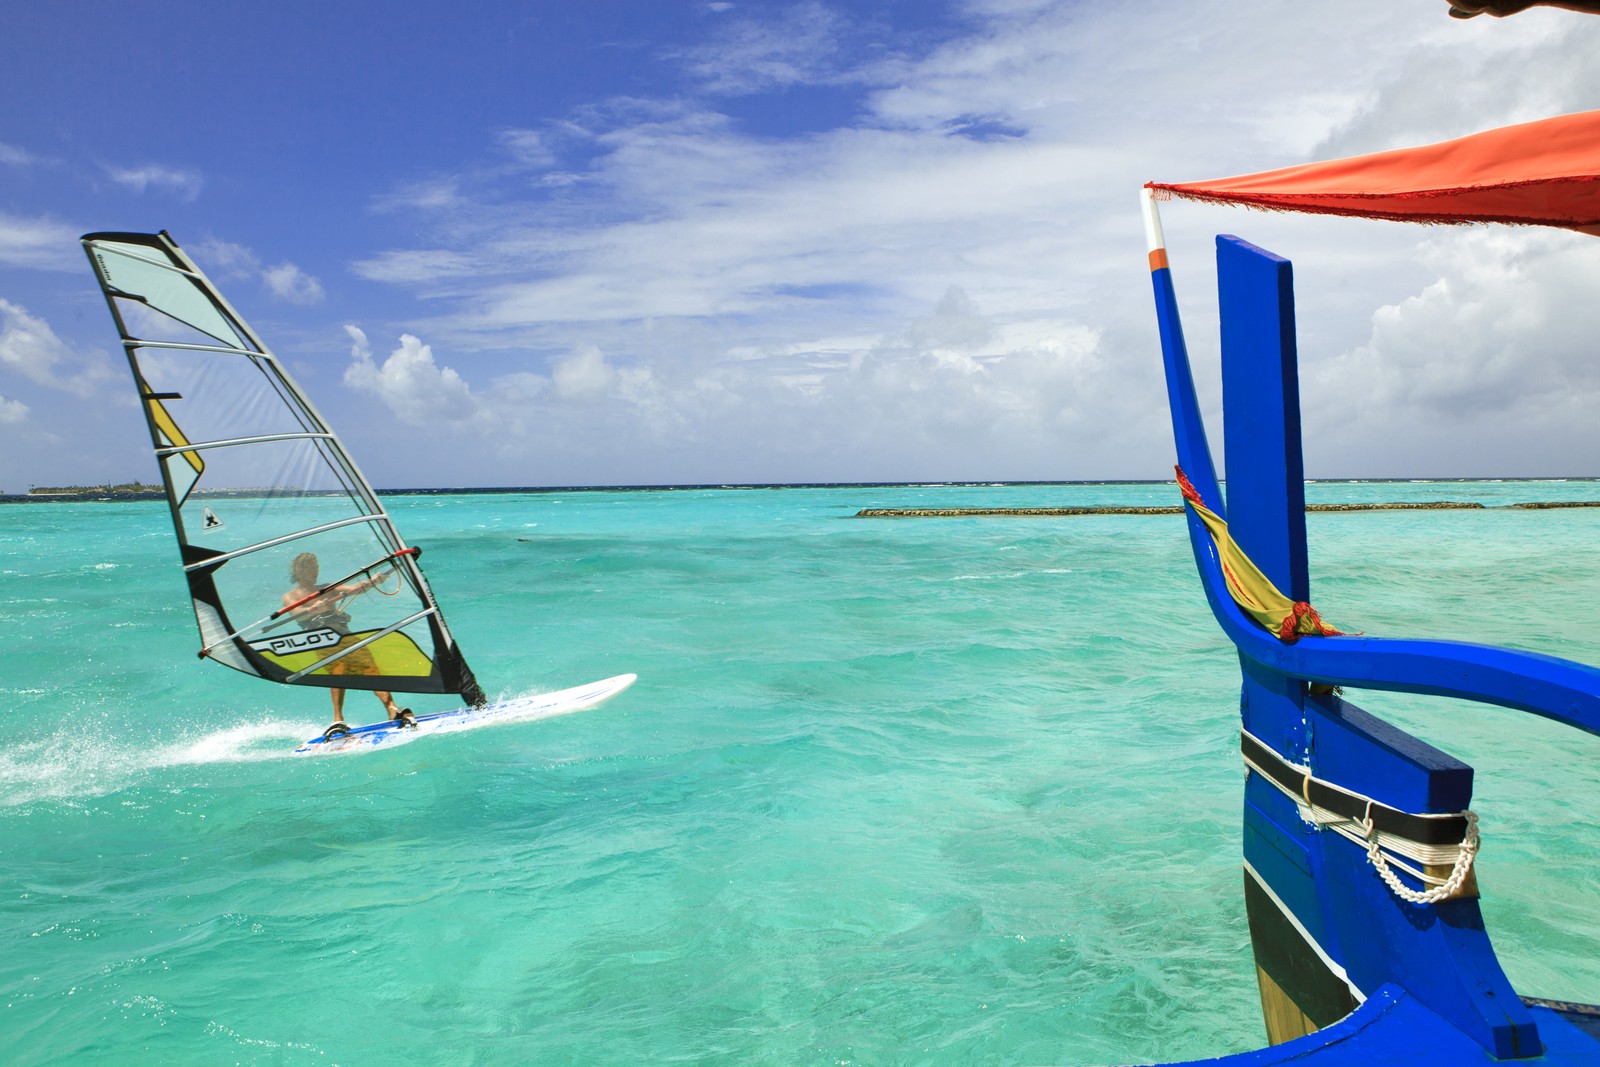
[
  {"x": 295, "y": 570},
  {"x": 1540, "y": 173}
]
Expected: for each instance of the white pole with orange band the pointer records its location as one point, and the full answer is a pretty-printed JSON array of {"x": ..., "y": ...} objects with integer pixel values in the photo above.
[{"x": 1155, "y": 241}]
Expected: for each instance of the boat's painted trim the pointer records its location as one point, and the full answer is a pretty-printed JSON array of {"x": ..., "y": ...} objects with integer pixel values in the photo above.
[{"x": 1334, "y": 969}]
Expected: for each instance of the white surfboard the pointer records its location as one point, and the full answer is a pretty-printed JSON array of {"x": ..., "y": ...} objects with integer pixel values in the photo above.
[{"x": 523, "y": 709}]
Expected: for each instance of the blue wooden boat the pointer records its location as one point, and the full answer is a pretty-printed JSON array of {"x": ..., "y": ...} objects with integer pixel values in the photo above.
[{"x": 1359, "y": 840}]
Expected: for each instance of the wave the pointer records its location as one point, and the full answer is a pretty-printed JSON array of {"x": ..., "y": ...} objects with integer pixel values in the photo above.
[{"x": 74, "y": 764}]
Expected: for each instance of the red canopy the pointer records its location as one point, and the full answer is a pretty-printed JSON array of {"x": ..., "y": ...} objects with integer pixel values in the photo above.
[{"x": 1545, "y": 173}]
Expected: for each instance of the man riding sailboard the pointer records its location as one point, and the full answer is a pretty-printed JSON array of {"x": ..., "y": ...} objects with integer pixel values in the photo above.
[{"x": 322, "y": 607}]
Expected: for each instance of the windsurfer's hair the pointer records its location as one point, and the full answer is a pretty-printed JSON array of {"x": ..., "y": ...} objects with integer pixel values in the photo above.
[{"x": 303, "y": 570}]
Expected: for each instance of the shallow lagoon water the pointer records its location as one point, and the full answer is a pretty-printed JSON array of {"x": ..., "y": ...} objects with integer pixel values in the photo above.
[{"x": 929, "y": 791}]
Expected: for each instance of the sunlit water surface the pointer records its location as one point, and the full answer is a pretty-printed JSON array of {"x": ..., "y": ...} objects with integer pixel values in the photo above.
[{"x": 923, "y": 791}]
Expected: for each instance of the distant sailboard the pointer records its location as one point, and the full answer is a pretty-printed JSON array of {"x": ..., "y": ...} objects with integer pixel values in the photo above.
[{"x": 255, "y": 478}]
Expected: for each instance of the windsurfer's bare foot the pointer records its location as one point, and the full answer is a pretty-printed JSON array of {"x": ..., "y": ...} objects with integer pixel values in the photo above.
[
  {"x": 404, "y": 717},
  {"x": 337, "y": 729}
]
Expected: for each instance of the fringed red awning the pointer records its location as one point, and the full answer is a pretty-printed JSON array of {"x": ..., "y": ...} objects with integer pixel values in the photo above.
[{"x": 1543, "y": 173}]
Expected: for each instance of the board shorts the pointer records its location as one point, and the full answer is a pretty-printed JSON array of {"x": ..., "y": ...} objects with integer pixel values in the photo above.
[{"x": 358, "y": 662}]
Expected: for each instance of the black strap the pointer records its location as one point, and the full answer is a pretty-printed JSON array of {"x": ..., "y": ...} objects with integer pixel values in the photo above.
[{"x": 1423, "y": 829}]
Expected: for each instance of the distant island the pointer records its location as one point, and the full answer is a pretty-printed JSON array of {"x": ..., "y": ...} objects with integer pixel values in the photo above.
[
  {"x": 141, "y": 491},
  {"x": 124, "y": 489}
]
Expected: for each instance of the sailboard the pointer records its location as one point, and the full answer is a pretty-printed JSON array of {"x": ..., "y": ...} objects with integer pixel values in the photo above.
[
  {"x": 263, "y": 493},
  {"x": 524, "y": 709}
]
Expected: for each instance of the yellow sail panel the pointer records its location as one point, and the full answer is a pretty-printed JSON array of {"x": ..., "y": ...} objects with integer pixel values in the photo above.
[
  {"x": 179, "y": 467},
  {"x": 393, "y": 655}
]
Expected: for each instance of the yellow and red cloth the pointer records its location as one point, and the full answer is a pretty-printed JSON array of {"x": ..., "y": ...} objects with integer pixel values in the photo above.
[{"x": 1253, "y": 591}]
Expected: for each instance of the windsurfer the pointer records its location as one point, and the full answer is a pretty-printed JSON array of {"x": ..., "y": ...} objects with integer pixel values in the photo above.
[{"x": 315, "y": 607}]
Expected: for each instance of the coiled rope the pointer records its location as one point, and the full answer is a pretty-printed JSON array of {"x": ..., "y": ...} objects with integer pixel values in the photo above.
[{"x": 1426, "y": 839}]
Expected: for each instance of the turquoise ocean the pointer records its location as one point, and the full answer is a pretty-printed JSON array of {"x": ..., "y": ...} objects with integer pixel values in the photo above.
[{"x": 915, "y": 791}]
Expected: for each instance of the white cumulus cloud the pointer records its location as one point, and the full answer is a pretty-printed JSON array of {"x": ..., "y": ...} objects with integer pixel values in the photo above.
[
  {"x": 229, "y": 261},
  {"x": 930, "y": 399},
  {"x": 409, "y": 382},
  {"x": 38, "y": 243},
  {"x": 288, "y": 282},
  {"x": 13, "y": 156},
  {"x": 1501, "y": 339},
  {"x": 183, "y": 182},
  {"x": 31, "y": 349},
  {"x": 584, "y": 373},
  {"x": 944, "y": 275}
]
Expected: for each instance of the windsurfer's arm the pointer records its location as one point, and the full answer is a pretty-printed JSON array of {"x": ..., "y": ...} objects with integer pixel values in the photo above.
[
  {"x": 301, "y": 604},
  {"x": 353, "y": 588}
]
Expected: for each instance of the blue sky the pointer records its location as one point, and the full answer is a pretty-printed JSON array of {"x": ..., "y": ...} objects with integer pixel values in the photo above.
[{"x": 684, "y": 242}]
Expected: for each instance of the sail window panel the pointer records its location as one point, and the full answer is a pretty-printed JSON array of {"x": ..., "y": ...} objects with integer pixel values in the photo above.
[
  {"x": 344, "y": 562},
  {"x": 253, "y": 493},
  {"x": 220, "y": 395},
  {"x": 254, "y": 586},
  {"x": 182, "y": 471},
  {"x": 146, "y": 324},
  {"x": 127, "y": 268}
]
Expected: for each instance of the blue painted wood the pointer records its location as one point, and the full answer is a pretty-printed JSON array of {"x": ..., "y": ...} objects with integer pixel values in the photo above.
[
  {"x": 1373, "y": 935},
  {"x": 1189, "y": 430},
  {"x": 1394, "y": 1029},
  {"x": 1365, "y": 754},
  {"x": 1544, "y": 685},
  {"x": 1271, "y": 706},
  {"x": 1432, "y": 966},
  {"x": 1285, "y": 853},
  {"x": 1552, "y": 688},
  {"x": 1439, "y": 953},
  {"x": 1261, "y": 412}
]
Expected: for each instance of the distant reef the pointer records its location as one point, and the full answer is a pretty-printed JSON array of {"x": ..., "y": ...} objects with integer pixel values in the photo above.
[
  {"x": 1560, "y": 504},
  {"x": 968, "y": 513},
  {"x": 1438, "y": 505}
]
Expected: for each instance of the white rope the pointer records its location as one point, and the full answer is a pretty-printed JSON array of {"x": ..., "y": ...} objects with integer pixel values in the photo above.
[
  {"x": 1444, "y": 890},
  {"x": 1374, "y": 842}
]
